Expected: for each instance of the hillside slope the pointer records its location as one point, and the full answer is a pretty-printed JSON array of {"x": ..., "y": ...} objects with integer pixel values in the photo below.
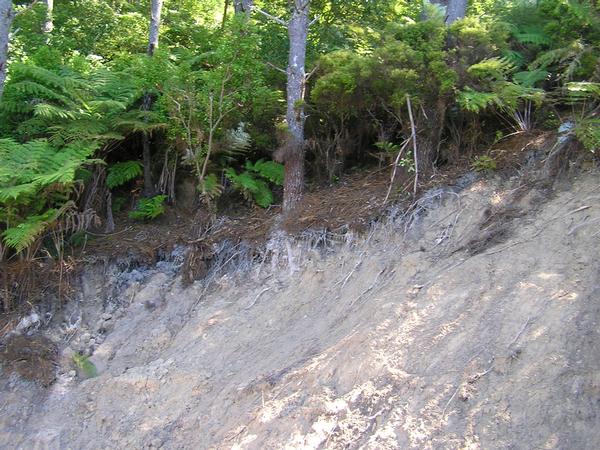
[{"x": 470, "y": 321}]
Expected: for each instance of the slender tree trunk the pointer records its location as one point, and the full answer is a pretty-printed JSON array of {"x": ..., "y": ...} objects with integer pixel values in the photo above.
[
  {"x": 242, "y": 6},
  {"x": 155, "y": 13},
  {"x": 457, "y": 9},
  {"x": 225, "y": 10},
  {"x": 7, "y": 14},
  {"x": 49, "y": 22},
  {"x": 295, "y": 116}
]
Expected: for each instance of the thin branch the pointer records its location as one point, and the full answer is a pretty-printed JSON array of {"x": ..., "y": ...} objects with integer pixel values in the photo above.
[
  {"x": 273, "y": 66},
  {"x": 312, "y": 22},
  {"x": 395, "y": 169},
  {"x": 269, "y": 16},
  {"x": 27, "y": 8},
  {"x": 311, "y": 73},
  {"x": 414, "y": 139}
]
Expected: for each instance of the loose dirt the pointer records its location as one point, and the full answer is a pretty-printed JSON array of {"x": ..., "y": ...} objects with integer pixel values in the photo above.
[{"x": 471, "y": 320}]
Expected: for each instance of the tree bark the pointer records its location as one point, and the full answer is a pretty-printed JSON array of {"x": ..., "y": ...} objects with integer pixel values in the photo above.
[
  {"x": 295, "y": 115},
  {"x": 457, "y": 9},
  {"x": 155, "y": 14},
  {"x": 243, "y": 6},
  {"x": 7, "y": 15},
  {"x": 49, "y": 22}
]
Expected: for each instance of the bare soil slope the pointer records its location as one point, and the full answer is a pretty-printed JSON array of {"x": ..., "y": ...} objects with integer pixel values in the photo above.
[{"x": 470, "y": 321}]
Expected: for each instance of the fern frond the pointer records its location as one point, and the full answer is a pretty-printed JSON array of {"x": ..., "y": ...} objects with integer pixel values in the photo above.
[
  {"x": 582, "y": 91},
  {"x": 532, "y": 35},
  {"x": 494, "y": 69},
  {"x": 149, "y": 208},
  {"x": 530, "y": 78},
  {"x": 251, "y": 187},
  {"x": 13, "y": 192},
  {"x": 271, "y": 170},
  {"x": 475, "y": 101},
  {"x": 210, "y": 186},
  {"x": 516, "y": 58},
  {"x": 30, "y": 167},
  {"x": 237, "y": 141},
  {"x": 588, "y": 133},
  {"x": 121, "y": 173},
  {"x": 25, "y": 234}
]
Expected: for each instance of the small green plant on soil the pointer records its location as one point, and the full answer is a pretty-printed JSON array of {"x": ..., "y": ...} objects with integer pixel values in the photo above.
[
  {"x": 85, "y": 367},
  {"x": 149, "y": 208},
  {"x": 484, "y": 164}
]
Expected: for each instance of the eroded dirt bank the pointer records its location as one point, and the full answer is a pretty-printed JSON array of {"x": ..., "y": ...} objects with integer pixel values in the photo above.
[{"x": 470, "y": 322}]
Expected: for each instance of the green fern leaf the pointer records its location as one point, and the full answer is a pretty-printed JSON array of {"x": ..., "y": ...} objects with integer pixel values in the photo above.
[
  {"x": 121, "y": 173},
  {"x": 494, "y": 69},
  {"x": 270, "y": 170},
  {"x": 532, "y": 35},
  {"x": 25, "y": 234},
  {"x": 210, "y": 186},
  {"x": 149, "y": 208},
  {"x": 475, "y": 101},
  {"x": 251, "y": 187},
  {"x": 530, "y": 78}
]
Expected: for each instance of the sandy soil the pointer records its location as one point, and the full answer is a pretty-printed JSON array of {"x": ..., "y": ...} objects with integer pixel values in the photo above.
[{"x": 471, "y": 321}]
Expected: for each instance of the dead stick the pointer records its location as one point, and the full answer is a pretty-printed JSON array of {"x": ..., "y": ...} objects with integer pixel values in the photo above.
[
  {"x": 414, "y": 139},
  {"x": 520, "y": 332},
  {"x": 395, "y": 169},
  {"x": 257, "y": 297}
]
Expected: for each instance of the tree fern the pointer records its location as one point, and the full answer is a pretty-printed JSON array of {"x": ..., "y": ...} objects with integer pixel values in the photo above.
[
  {"x": 25, "y": 169},
  {"x": 75, "y": 107}
]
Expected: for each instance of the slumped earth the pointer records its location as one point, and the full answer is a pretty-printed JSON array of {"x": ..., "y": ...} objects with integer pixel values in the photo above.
[{"x": 470, "y": 321}]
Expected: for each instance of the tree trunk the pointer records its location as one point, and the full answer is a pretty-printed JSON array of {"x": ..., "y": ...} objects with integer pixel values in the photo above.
[
  {"x": 146, "y": 153},
  {"x": 243, "y": 6},
  {"x": 457, "y": 9},
  {"x": 155, "y": 13},
  {"x": 428, "y": 142},
  {"x": 7, "y": 14},
  {"x": 49, "y": 22},
  {"x": 295, "y": 116}
]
